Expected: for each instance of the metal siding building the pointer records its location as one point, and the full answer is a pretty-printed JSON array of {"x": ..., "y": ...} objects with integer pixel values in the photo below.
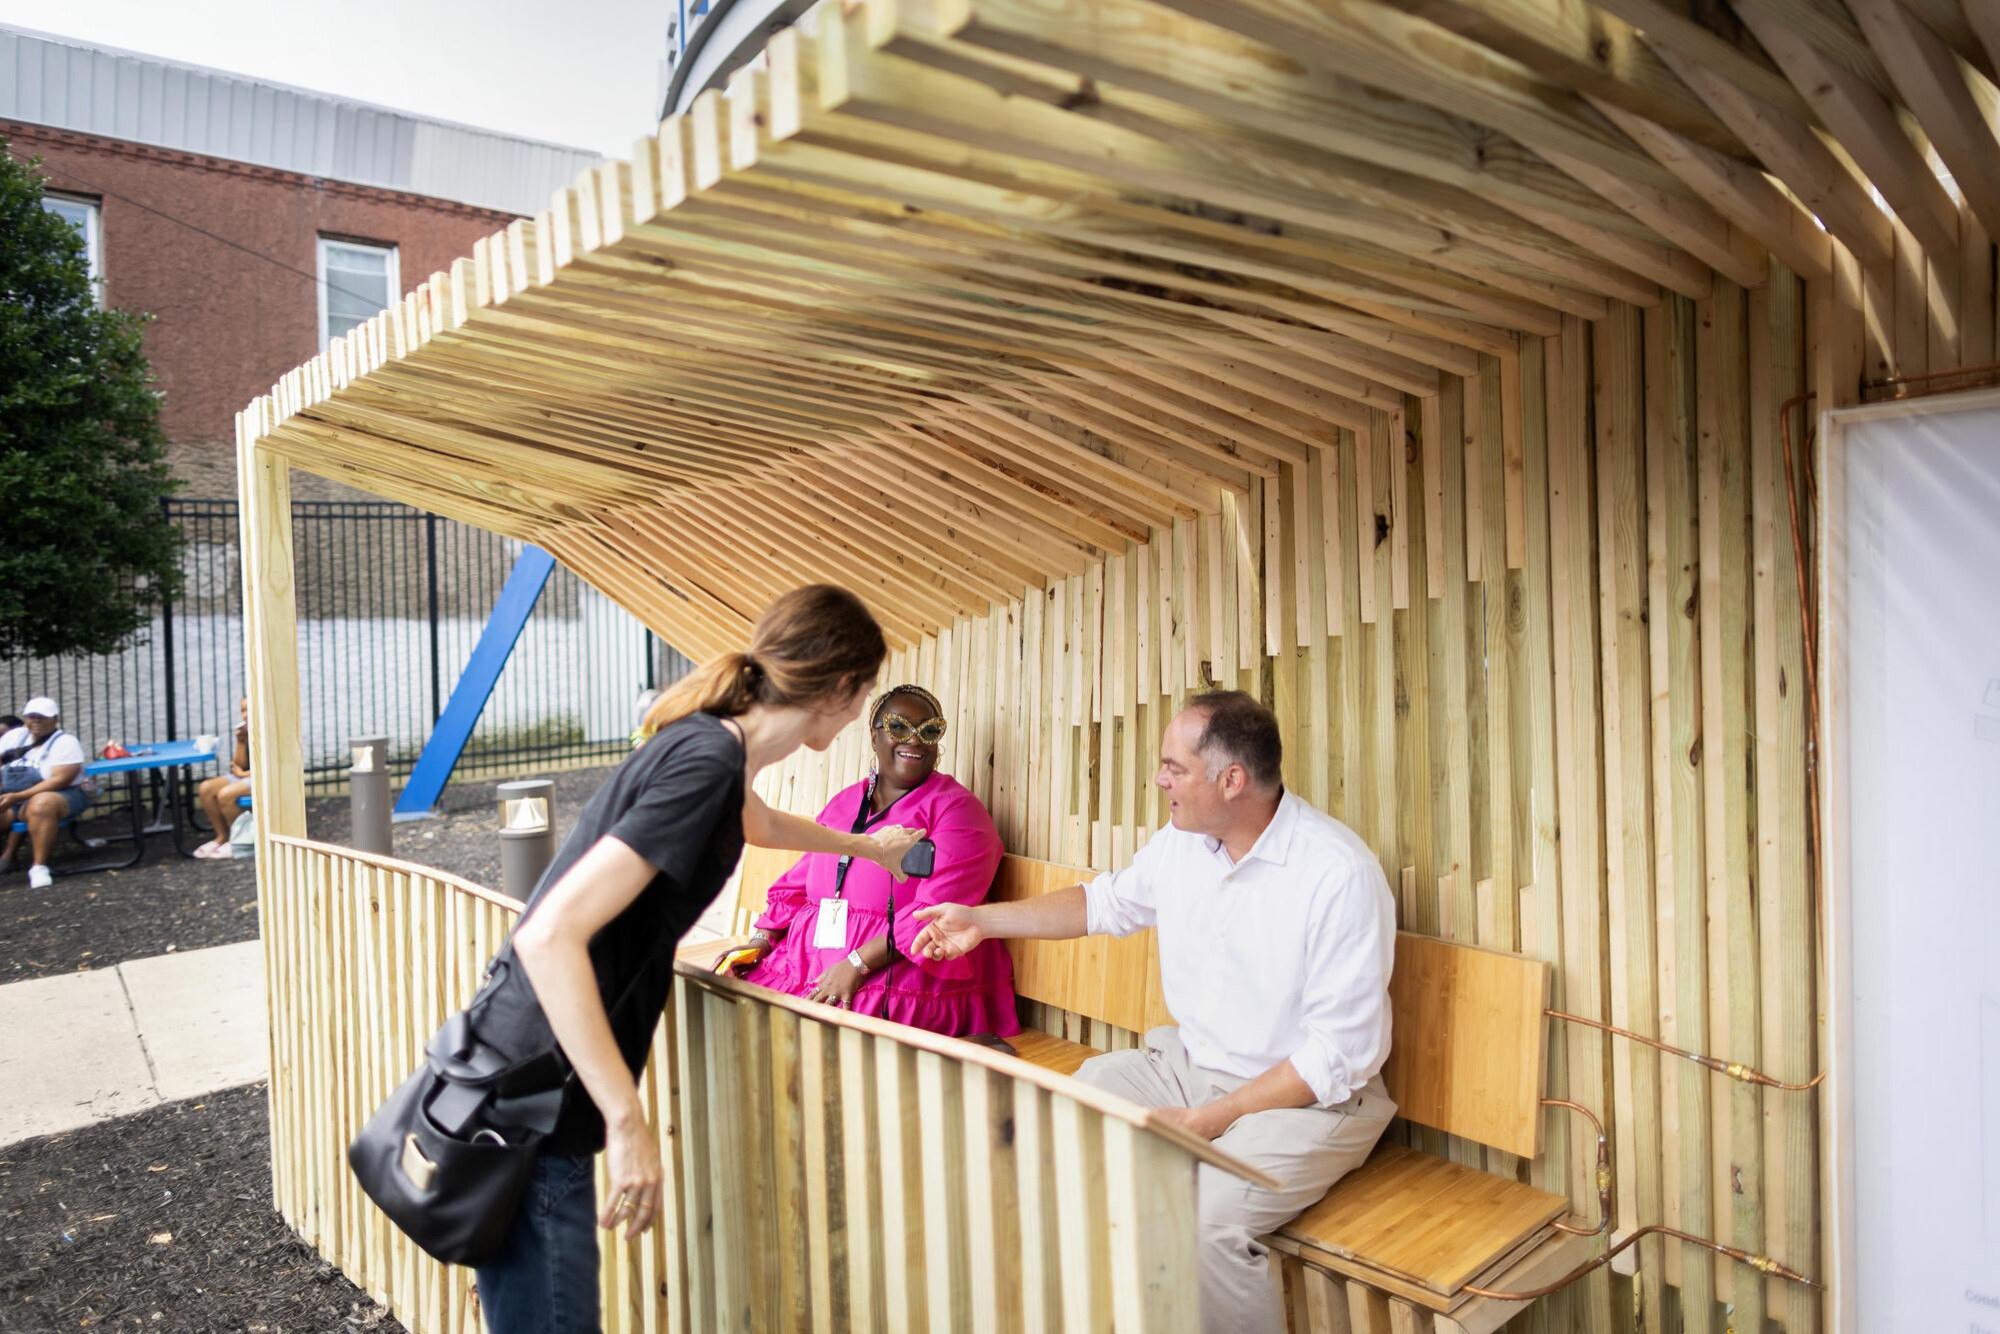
[{"x": 95, "y": 90}]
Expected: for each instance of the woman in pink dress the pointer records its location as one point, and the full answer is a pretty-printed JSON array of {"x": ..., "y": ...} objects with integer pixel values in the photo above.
[{"x": 840, "y": 931}]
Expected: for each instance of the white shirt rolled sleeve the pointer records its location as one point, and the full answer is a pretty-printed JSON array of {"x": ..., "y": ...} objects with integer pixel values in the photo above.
[{"x": 1344, "y": 1006}]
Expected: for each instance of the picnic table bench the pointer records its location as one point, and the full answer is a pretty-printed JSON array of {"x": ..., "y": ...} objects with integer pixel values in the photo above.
[{"x": 165, "y": 757}]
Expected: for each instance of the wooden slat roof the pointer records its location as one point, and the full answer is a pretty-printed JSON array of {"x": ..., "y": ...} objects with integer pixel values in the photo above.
[{"x": 949, "y": 297}]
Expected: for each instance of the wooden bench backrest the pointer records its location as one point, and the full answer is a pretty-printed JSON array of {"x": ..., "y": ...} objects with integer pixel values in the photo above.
[
  {"x": 1116, "y": 981},
  {"x": 1471, "y": 1048},
  {"x": 1471, "y": 1045},
  {"x": 755, "y": 873}
]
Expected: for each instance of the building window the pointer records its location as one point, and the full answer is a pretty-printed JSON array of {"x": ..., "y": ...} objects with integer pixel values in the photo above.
[
  {"x": 355, "y": 282},
  {"x": 82, "y": 214}
]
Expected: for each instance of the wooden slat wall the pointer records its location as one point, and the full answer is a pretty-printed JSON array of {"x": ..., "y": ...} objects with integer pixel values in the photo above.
[
  {"x": 821, "y": 1176},
  {"x": 1592, "y": 751}
]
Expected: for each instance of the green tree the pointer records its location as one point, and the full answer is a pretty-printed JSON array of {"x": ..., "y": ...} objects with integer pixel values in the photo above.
[{"x": 87, "y": 550}]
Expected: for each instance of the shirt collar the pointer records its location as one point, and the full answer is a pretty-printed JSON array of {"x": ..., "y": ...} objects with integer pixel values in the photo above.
[
  {"x": 923, "y": 788},
  {"x": 1274, "y": 845}
]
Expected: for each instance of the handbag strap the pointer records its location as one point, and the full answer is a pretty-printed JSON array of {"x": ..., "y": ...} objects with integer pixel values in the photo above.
[
  {"x": 457, "y": 1034},
  {"x": 19, "y": 754}
]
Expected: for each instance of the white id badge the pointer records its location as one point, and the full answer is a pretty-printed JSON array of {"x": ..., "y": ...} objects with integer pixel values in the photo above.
[{"x": 830, "y": 928}]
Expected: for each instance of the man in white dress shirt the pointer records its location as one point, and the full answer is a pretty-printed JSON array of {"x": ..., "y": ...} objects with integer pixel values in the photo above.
[{"x": 1277, "y": 934}]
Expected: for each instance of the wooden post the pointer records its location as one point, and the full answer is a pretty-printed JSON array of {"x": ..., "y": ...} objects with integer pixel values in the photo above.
[
  {"x": 1151, "y": 1231},
  {"x": 270, "y": 633},
  {"x": 277, "y": 775}
]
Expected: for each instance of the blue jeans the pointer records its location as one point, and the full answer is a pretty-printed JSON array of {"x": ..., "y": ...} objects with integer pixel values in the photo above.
[{"x": 544, "y": 1281}]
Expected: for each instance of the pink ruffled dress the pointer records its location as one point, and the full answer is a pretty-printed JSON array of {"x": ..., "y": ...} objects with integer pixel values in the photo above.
[{"x": 956, "y": 997}]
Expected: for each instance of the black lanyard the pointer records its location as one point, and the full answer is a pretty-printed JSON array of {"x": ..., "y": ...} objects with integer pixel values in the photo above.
[{"x": 862, "y": 820}]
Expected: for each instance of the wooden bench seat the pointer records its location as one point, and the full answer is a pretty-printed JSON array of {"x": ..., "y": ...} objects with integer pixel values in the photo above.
[
  {"x": 1468, "y": 1059},
  {"x": 1051, "y": 1052},
  {"x": 1411, "y": 1223},
  {"x": 1418, "y": 1225}
]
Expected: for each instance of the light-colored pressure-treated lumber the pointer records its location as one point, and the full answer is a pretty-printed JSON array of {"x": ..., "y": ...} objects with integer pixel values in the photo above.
[
  {"x": 986, "y": 204},
  {"x": 1412, "y": 364},
  {"x": 270, "y": 633}
]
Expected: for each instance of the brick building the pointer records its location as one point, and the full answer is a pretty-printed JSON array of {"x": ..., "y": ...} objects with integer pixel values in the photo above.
[{"x": 250, "y": 220}]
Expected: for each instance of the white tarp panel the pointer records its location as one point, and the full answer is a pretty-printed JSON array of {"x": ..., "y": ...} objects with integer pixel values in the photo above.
[{"x": 1913, "y": 642}]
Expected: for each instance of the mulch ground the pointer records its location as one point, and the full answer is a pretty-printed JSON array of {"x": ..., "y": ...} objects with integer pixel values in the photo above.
[
  {"x": 169, "y": 902},
  {"x": 163, "y": 1222}
]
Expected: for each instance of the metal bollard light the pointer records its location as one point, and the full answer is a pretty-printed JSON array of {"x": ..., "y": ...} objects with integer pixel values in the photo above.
[
  {"x": 527, "y": 835},
  {"x": 368, "y": 794}
]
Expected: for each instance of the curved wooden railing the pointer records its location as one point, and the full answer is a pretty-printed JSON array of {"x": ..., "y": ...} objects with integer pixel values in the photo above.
[{"x": 825, "y": 1171}]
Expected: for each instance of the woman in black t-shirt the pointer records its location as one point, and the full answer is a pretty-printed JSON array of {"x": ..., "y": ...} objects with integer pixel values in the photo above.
[{"x": 649, "y": 853}]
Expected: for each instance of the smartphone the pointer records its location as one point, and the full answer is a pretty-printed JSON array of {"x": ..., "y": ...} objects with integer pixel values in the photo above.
[
  {"x": 742, "y": 958},
  {"x": 920, "y": 860}
]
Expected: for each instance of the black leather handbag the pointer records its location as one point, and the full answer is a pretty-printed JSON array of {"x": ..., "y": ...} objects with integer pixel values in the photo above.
[{"x": 447, "y": 1155}]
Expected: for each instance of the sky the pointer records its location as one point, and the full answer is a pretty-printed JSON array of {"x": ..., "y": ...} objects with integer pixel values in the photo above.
[{"x": 583, "y": 74}]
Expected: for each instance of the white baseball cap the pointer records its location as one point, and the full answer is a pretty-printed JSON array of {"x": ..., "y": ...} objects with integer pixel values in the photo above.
[{"x": 42, "y": 707}]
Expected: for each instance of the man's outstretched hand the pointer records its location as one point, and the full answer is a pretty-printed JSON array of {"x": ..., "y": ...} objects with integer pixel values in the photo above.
[{"x": 950, "y": 929}]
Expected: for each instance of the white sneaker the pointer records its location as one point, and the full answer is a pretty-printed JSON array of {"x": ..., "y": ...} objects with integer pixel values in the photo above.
[{"x": 39, "y": 877}]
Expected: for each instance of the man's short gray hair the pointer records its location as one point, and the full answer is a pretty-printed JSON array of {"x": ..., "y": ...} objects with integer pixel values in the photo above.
[{"x": 1238, "y": 729}]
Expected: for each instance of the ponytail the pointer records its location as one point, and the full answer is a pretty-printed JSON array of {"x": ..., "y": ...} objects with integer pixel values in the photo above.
[
  {"x": 813, "y": 643},
  {"x": 725, "y": 686}
]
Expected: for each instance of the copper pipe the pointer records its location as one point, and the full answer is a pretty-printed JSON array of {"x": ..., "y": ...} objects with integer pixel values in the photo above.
[
  {"x": 1925, "y": 377},
  {"x": 1733, "y": 1069},
  {"x": 1763, "y": 1264},
  {"x": 1809, "y": 640},
  {"x": 1736, "y": 1070},
  {"x": 1810, "y": 654},
  {"x": 1604, "y": 1177}
]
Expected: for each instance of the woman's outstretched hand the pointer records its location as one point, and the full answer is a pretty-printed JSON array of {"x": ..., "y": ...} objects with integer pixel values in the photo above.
[
  {"x": 632, "y": 1158},
  {"x": 891, "y": 844},
  {"x": 950, "y": 929}
]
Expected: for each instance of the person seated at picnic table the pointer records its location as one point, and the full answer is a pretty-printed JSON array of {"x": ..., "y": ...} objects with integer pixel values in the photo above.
[
  {"x": 1277, "y": 934},
  {"x": 840, "y": 931},
  {"x": 41, "y": 772},
  {"x": 218, "y": 794}
]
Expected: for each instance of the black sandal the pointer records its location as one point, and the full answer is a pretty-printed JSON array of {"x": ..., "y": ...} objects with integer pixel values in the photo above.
[{"x": 990, "y": 1040}]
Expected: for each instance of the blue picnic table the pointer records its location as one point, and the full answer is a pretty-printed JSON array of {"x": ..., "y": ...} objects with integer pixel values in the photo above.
[{"x": 164, "y": 759}]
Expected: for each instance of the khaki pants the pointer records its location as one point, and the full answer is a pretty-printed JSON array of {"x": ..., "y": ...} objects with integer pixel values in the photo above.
[{"x": 1306, "y": 1148}]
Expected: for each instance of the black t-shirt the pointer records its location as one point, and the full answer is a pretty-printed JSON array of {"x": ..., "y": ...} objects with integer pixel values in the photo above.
[{"x": 678, "y": 802}]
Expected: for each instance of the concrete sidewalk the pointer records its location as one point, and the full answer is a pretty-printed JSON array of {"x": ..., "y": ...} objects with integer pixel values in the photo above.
[{"x": 89, "y": 1046}]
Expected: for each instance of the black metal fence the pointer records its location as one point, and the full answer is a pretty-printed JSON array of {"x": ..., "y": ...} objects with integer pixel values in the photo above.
[{"x": 390, "y": 603}]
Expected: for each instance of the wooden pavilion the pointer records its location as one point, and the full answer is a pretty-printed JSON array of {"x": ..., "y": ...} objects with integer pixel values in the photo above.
[{"x": 1441, "y": 370}]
